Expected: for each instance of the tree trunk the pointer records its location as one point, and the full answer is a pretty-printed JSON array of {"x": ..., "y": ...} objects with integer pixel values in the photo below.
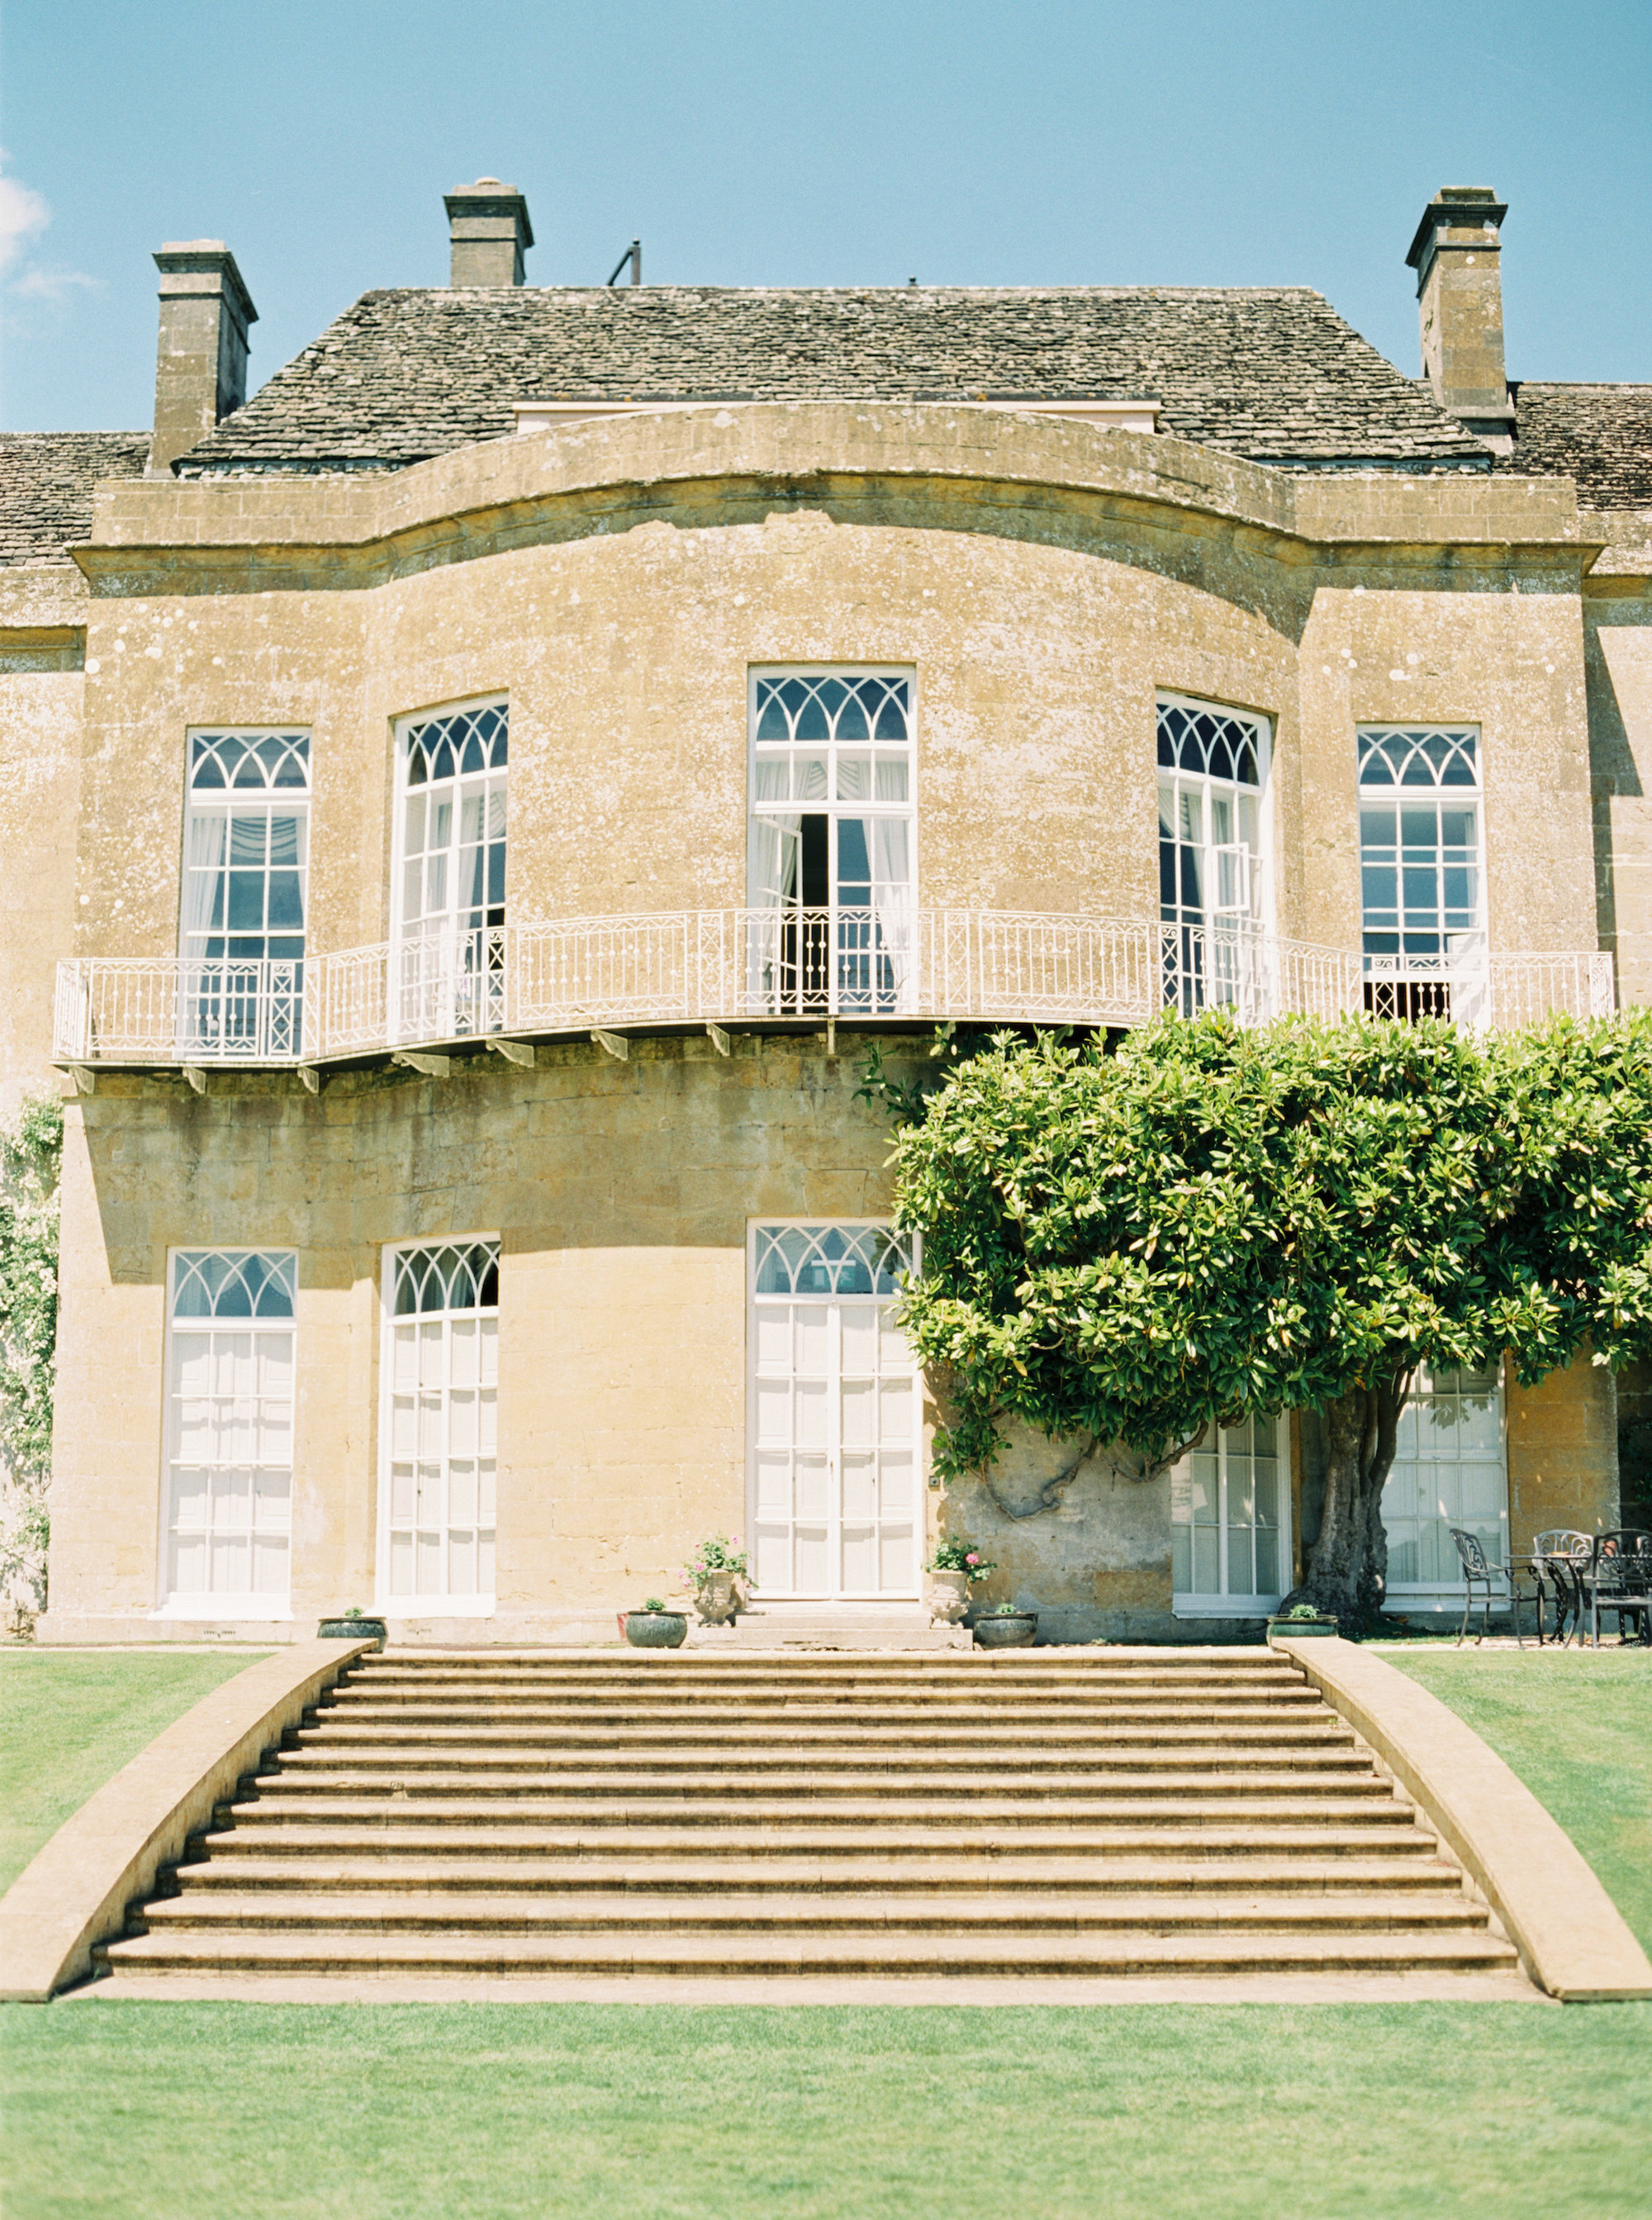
[{"x": 1347, "y": 1569}]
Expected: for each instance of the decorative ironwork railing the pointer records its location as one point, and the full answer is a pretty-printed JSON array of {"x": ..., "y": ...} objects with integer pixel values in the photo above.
[{"x": 725, "y": 966}]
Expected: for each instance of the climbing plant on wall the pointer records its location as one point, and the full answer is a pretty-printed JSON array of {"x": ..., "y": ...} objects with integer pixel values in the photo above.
[
  {"x": 1211, "y": 1222},
  {"x": 31, "y": 1152}
]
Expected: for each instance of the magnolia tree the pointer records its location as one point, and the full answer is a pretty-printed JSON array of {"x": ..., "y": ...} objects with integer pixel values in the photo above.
[{"x": 1213, "y": 1223}]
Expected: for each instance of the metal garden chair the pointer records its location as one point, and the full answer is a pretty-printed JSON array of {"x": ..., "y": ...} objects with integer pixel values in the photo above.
[
  {"x": 1619, "y": 1579},
  {"x": 1559, "y": 1556},
  {"x": 1479, "y": 1571}
]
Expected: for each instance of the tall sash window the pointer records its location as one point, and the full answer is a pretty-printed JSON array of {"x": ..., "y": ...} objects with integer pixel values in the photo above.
[
  {"x": 1212, "y": 768},
  {"x": 229, "y": 1365},
  {"x": 450, "y": 910},
  {"x": 832, "y": 846},
  {"x": 1420, "y": 871},
  {"x": 245, "y": 865}
]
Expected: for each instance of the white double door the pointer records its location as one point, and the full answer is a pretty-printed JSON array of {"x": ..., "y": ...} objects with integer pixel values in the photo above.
[{"x": 835, "y": 1427}]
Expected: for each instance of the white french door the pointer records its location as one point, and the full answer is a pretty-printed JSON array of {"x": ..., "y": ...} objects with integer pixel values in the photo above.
[
  {"x": 835, "y": 1415},
  {"x": 437, "y": 1519},
  {"x": 227, "y": 1512},
  {"x": 1229, "y": 1523},
  {"x": 1449, "y": 1469}
]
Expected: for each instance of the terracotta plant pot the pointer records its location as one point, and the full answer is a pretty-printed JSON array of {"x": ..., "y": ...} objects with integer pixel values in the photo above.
[
  {"x": 717, "y": 1599},
  {"x": 353, "y": 1630},
  {"x": 656, "y": 1630},
  {"x": 1005, "y": 1630},
  {"x": 949, "y": 1598}
]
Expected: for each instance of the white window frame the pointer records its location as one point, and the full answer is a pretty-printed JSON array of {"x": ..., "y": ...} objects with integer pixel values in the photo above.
[
  {"x": 1237, "y": 975},
  {"x": 234, "y": 1006},
  {"x": 208, "y": 1603},
  {"x": 1446, "y": 1593},
  {"x": 1195, "y": 1603},
  {"x": 898, "y": 951},
  {"x": 848, "y": 1597},
  {"x": 447, "y": 983},
  {"x": 481, "y": 1604},
  {"x": 1459, "y": 971}
]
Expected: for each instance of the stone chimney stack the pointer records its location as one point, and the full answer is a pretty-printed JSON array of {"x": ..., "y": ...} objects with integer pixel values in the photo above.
[
  {"x": 201, "y": 362},
  {"x": 488, "y": 226},
  {"x": 1460, "y": 309}
]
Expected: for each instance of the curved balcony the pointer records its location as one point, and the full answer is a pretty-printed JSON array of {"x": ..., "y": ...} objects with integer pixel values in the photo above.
[{"x": 727, "y": 968}]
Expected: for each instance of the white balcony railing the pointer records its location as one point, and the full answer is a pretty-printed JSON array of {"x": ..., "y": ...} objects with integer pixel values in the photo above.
[{"x": 728, "y": 966}]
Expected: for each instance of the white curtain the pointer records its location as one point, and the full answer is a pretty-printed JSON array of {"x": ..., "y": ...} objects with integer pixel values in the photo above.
[
  {"x": 773, "y": 879},
  {"x": 203, "y": 876},
  {"x": 891, "y": 896}
]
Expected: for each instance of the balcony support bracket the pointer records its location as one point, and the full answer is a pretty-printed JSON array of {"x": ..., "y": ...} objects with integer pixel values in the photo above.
[
  {"x": 310, "y": 1078},
  {"x": 197, "y": 1077},
  {"x": 615, "y": 1044},
  {"x": 84, "y": 1077},
  {"x": 434, "y": 1067},
  {"x": 718, "y": 1039},
  {"x": 520, "y": 1052},
  {"x": 831, "y": 1037}
]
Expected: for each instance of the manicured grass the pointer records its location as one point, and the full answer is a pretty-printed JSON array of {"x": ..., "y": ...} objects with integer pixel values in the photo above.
[
  {"x": 71, "y": 1718},
  {"x": 135, "y": 2112},
  {"x": 1576, "y": 1726}
]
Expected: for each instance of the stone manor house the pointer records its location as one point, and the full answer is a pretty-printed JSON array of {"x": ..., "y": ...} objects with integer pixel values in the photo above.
[{"x": 469, "y": 806}]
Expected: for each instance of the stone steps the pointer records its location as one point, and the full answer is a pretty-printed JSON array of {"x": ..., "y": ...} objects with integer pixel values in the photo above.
[
  {"x": 1109, "y": 1813},
  {"x": 870, "y": 1950},
  {"x": 1414, "y": 1870},
  {"x": 820, "y": 1911}
]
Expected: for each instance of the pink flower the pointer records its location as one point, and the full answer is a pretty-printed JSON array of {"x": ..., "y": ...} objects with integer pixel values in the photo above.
[{"x": 972, "y": 1558}]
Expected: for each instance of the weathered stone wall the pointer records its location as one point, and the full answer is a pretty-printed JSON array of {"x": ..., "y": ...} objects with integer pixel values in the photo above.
[
  {"x": 1617, "y": 626},
  {"x": 621, "y": 1194},
  {"x": 42, "y": 609},
  {"x": 1562, "y": 1452}
]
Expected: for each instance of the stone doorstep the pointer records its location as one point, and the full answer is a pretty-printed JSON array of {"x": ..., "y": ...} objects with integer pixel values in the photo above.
[{"x": 691, "y": 1991}]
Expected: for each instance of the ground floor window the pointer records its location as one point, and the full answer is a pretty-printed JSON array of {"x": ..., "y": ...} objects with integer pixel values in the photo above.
[
  {"x": 441, "y": 1375},
  {"x": 1229, "y": 1523},
  {"x": 1449, "y": 1469},
  {"x": 835, "y": 1414},
  {"x": 229, "y": 1419}
]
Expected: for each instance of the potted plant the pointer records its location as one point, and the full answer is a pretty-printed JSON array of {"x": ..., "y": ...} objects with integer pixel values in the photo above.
[
  {"x": 351, "y": 1626},
  {"x": 653, "y": 1627},
  {"x": 714, "y": 1572},
  {"x": 954, "y": 1566},
  {"x": 1004, "y": 1627},
  {"x": 1301, "y": 1618}
]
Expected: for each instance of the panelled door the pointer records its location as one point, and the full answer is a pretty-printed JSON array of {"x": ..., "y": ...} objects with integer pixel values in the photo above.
[{"x": 835, "y": 1414}]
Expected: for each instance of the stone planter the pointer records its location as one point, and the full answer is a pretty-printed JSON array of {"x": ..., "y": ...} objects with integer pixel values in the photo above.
[
  {"x": 1300, "y": 1626},
  {"x": 949, "y": 1598},
  {"x": 353, "y": 1630},
  {"x": 1006, "y": 1630},
  {"x": 717, "y": 1599},
  {"x": 655, "y": 1630}
]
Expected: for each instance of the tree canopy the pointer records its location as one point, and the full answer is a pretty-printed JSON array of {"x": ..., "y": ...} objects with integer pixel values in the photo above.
[{"x": 1210, "y": 1222}]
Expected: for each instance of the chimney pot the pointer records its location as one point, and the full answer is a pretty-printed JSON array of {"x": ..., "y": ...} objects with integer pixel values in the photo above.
[
  {"x": 1460, "y": 309},
  {"x": 200, "y": 359},
  {"x": 490, "y": 231}
]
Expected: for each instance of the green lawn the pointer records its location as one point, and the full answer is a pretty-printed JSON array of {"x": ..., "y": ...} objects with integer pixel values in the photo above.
[
  {"x": 454, "y": 2112},
  {"x": 1576, "y": 1726},
  {"x": 69, "y": 1720},
  {"x": 156, "y": 2111}
]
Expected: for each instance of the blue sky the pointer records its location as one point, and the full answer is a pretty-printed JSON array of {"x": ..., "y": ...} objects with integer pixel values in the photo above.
[{"x": 1186, "y": 142}]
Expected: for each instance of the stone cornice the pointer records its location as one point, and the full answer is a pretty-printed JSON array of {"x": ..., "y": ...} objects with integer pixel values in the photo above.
[{"x": 951, "y": 468}]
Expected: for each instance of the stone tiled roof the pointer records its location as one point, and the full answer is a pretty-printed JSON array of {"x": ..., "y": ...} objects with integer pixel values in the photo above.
[
  {"x": 1600, "y": 435},
  {"x": 1273, "y": 374},
  {"x": 45, "y": 486}
]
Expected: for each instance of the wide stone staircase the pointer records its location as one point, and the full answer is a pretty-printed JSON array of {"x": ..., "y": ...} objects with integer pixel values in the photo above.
[{"x": 1100, "y": 1812}]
